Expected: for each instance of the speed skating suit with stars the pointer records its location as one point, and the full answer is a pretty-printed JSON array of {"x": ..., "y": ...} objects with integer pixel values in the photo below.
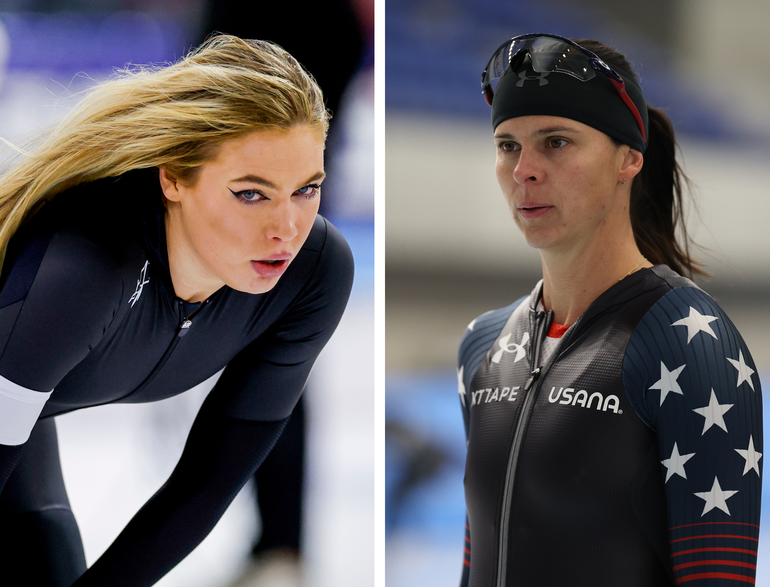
[
  {"x": 631, "y": 455},
  {"x": 88, "y": 316}
]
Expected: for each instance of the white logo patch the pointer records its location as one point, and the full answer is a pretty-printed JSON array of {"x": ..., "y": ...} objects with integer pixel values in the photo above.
[
  {"x": 581, "y": 398},
  {"x": 139, "y": 285},
  {"x": 494, "y": 395},
  {"x": 511, "y": 348}
]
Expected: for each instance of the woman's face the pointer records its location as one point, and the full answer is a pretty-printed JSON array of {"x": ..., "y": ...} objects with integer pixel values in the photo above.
[
  {"x": 247, "y": 214},
  {"x": 561, "y": 180}
]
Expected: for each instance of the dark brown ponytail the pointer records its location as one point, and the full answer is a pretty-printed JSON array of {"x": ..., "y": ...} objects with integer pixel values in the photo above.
[
  {"x": 657, "y": 192},
  {"x": 657, "y": 198}
]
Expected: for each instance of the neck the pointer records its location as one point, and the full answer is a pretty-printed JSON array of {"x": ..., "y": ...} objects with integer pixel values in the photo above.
[
  {"x": 188, "y": 274},
  {"x": 573, "y": 279}
]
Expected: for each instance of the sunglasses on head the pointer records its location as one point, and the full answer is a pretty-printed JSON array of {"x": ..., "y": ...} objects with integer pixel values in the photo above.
[{"x": 553, "y": 54}]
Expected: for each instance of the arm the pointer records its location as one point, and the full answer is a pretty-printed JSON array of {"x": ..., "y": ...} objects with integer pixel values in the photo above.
[
  {"x": 700, "y": 392},
  {"x": 57, "y": 298},
  {"x": 221, "y": 454},
  {"x": 479, "y": 336},
  {"x": 463, "y": 383},
  {"x": 237, "y": 426},
  {"x": 9, "y": 458}
]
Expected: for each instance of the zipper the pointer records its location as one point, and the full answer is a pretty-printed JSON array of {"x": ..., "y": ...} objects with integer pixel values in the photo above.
[
  {"x": 542, "y": 324},
  {"x": 183, "y": 328},
  {"x": 186, "y": 321}
]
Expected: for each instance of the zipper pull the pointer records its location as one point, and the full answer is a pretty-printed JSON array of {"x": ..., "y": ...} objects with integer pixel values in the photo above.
[
  {"x": 542, "y": 324},
  {"x": 184, "y": 327},
  {"x": 532, "y": 378}
]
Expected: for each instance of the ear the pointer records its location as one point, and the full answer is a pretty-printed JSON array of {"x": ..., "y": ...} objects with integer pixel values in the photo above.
[
  {"x": 632, "y": 164},
  {"x": 170, "y": 185}
]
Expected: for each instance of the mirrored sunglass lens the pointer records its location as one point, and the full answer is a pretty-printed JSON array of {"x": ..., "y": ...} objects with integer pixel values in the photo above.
[
  {"x": 501, "y": 60},
  {"x": 547, "y": 55},
  {"x": 499, "y": 65},
  {"x": 556, "y": 56}
]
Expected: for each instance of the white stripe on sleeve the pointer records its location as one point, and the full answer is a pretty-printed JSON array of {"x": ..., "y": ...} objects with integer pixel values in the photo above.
[{"x": 19, "y": 410}]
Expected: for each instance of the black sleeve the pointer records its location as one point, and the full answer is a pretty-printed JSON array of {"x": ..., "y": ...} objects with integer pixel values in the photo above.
[
  {"x": 57, "y": 297},
  {"x": 9, "y": 458},
  {"x": 235, "y": 429},
  {"x": 221, "y": 454}
]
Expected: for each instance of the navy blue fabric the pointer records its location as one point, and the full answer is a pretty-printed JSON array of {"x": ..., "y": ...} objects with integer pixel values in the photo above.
[
  {"x": 25, "y": 268},
  {"x": 476, "y": 340},
  {"x": 40, "y": 541},
  {"x": 662, "y": 345},
  {"x": 102, "y": 306},
  {"x": 88, "y": 310},
  {"x": 710, "y": 444},
  {"x": 221, "y": 454}
]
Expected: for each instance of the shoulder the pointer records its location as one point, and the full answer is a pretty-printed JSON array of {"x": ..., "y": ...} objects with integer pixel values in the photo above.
[
  {"x": 108, "y": 211},
  {"x": 684, "y": 341},
  {"x": 324, "y": 264},
  {"x": 687, "y": 314},
  {"x": 82, "y": 240},
  {"x": 111, "y": 213},
  {"x": 313, "y": 293},
  {"x": 650, "y": 296},
  {"x": 331, "y": 247},
  {"x": 479, "y": 336},
  {"x": 487, "y": 326}
]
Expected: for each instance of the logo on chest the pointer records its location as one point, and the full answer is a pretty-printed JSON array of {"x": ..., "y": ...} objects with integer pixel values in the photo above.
[
  {"x": 494, "y": 394},
  {"x": 140, "y": 283},
  {"x": 568, "y": 397},
  {"x": 517, "y": 349}
]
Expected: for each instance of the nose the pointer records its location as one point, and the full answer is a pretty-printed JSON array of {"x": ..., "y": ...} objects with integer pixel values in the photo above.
[
  {"x": 282, "y": 225},
  {"x": 528, "y": 168}
]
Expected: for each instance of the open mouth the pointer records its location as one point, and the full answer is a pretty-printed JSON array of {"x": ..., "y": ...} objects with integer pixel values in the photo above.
[{"x": 270, "y": 267}]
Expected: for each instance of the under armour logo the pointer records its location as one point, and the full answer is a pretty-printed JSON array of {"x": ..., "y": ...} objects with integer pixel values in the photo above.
[
  {"x": 140, "y": 284},
  {"x": 524, "y": 77},
  {"x": 511, "y": 348}
]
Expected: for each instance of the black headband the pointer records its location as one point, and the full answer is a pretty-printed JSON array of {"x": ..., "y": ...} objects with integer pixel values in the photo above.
[{"x": 594, "y": 102}]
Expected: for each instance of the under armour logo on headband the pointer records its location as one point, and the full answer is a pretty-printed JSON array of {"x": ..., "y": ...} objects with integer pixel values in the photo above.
[{"x": 523, "y": 77}]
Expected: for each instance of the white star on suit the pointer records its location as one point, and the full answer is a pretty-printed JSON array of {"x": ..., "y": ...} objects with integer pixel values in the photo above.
[
  {"x": 696, "y": 322},
  {"x": 667, "y": 382},
  {"x": 716, "y": 498},
  {"x": 714, "y": 413},
  {"x": 744, "y": 371},
  {"x": 752, "y": 457},
  {"x": 675, "y": 465},
  {"x": 472, "y": 324},
  {"x": 461, "y": 385}
]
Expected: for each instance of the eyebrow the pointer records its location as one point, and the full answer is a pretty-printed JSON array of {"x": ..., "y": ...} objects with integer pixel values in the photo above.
[
  {"x": 251, "y": 178},
  {"x": 541, "y": 132}
]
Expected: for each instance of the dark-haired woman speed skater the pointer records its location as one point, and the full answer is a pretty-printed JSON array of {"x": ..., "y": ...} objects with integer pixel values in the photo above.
[{"x": 614, "y": 414}]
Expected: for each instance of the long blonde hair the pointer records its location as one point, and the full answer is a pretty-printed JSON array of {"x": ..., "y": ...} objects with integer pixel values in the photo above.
[{"x": 173, "y": 117}]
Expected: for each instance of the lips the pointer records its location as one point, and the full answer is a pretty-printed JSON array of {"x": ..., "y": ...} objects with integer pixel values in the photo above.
[
  {"x": 273, "y": 266},
  {"x": 531, "y": 209}
]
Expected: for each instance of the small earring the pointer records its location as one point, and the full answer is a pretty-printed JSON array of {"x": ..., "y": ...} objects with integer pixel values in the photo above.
[{"x": 623, "y": 181}]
